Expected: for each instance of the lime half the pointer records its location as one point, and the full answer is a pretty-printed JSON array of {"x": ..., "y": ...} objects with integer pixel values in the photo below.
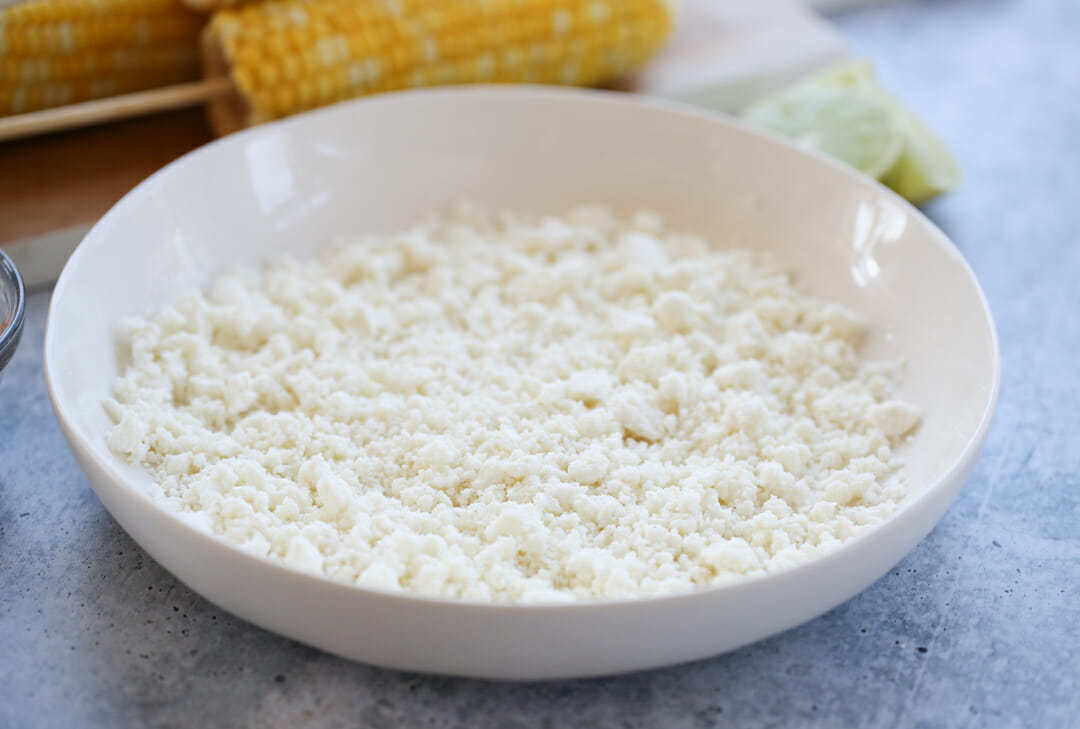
[{"x": 839, "y": 111}]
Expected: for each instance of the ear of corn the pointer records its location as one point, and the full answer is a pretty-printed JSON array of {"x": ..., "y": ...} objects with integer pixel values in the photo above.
[
  {"x": 55, "y": 52},
  {"x": 286, "y": 56}
]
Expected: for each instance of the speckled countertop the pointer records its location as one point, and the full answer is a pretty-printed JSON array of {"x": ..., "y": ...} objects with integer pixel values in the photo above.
[{"x": 979, "y": 626}]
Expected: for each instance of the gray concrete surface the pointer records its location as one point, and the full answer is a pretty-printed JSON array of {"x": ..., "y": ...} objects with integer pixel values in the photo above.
[{"x": 978, "y": 627}]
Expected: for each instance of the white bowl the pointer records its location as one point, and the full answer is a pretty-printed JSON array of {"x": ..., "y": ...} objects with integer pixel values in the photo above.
[{"x": 374, "y": 165}]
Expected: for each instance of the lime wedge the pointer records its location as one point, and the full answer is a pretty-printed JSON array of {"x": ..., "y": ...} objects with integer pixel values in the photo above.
[
  {"x": 922, "y": 167},
  {"x": 925, "y": 168},
  {"x": 845, "y": 124}
]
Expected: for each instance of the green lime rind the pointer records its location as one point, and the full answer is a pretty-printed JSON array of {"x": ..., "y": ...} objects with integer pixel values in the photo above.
[{"x": 925, "y": 169}]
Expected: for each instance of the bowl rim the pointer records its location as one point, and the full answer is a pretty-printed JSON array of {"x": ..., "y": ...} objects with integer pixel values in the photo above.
[
  {"x": 598, "y": 96},
  {"x": 9, "y": 335}
]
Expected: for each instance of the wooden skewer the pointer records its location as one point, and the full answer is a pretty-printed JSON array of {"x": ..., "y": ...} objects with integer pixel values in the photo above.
[{"x": 114, "y": 107}]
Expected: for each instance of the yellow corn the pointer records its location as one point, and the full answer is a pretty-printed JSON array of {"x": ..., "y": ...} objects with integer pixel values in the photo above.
[
  {"x": 286, "y": 56},
  {"x": 55, "y": 52}
]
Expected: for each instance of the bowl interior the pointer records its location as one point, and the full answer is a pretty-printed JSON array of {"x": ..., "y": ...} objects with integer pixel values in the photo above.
[{"x": 376, "y": 165}]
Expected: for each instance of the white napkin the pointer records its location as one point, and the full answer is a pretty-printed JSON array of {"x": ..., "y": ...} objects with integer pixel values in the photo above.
[{"x": 727, "y": 53}]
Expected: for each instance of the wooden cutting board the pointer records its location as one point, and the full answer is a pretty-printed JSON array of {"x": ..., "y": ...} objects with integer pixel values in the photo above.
[{"x": 53, "y": 187}]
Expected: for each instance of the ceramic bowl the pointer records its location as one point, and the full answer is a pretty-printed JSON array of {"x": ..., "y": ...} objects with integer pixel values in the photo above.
[{"x": 374, "y": 166}]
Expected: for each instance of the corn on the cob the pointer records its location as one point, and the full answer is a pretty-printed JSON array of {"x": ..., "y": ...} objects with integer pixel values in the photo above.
[
  {"x": 286, "y": 56},
  {"x": 55, "y": 52}
]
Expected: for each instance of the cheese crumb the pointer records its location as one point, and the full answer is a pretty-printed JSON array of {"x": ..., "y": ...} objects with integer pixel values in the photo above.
[{"x": 502, "y": 408}]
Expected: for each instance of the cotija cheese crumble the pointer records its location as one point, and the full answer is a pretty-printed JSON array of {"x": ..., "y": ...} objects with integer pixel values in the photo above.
[{"x": 515, "y": 409}]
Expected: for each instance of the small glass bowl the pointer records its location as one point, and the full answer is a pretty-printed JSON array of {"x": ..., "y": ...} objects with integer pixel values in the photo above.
[{"x": 12, "y": 304}]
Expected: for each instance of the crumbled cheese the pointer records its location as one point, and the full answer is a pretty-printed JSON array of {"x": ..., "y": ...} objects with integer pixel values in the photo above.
[{"x": 499, "y": 408}]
